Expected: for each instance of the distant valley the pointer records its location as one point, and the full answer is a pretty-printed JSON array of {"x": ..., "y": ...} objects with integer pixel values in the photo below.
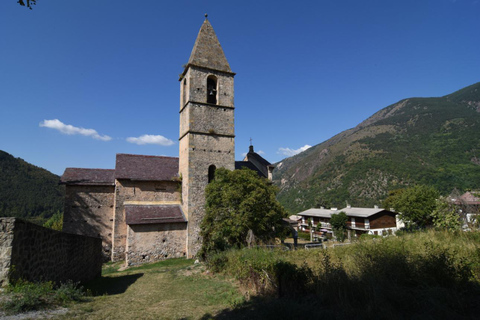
[{"x": 432, "y": 141}]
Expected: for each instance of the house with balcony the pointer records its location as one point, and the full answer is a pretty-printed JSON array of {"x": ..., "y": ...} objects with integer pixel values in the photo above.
[{"x": 375, "y": 221}]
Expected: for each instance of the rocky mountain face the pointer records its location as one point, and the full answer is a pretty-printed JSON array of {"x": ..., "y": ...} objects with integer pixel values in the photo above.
[{"x": 432, "y": 141}]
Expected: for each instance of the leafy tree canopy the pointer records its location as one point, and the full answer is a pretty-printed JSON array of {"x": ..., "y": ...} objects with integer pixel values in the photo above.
[
  {"x": 55, "y": 222},
  {"x": 339, "y": 224},
  {"x": 416, "y": 205},
  {"x": 445, "y": 215},
  {"x": 240, "y": 207}
]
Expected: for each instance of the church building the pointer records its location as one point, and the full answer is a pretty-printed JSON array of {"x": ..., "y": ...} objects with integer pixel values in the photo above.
[{"x": 149, "y": 208}]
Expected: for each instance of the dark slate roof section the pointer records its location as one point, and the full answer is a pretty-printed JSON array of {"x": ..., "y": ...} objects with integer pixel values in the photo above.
[
  {"x": 258, "y": 161},
  {"x": 207, "y": 51},
  {"x": 154, "y": 214},
  {"x": 146, "y": 168},
  {"x": 246, "y": 164},
  {"x": 82, "y": 176}
]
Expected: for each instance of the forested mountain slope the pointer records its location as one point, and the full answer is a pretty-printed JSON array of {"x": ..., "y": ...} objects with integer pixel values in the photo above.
[
  {"x": 433, "y": 141},
  {"x": 28, "y": 191}
]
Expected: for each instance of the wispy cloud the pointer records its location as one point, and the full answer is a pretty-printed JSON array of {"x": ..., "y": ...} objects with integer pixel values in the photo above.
[
  {"x": 151, "y": 139},
  {"x": 291, "y": 152},
  {"x": 71, "y": 130}
]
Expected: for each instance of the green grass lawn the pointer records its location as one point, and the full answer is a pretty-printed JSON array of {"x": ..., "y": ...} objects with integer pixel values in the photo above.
[
  {"x": 172, "y": 289},
  {"x": 423, "y": 275}
]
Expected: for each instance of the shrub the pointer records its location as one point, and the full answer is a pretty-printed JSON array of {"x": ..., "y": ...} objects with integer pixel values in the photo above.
[
  {"x": 263, "y": 271},
  {"x": 304, "y": 235},
  {"x": 435, "y": 273},
  {"x": 25, "y": 296}
]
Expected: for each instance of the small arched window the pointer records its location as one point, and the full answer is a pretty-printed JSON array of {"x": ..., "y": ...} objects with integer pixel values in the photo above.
[
  {"x": 211, "y": 173},
  {"x": 212, "y": 89}
]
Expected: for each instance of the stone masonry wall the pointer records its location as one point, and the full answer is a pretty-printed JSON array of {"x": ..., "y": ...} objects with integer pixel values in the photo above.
[
  {"x": 155, "y": 242},
  {"x": 203, "y": 152},
  {"x": 138, "y": 192},
  {"x": 194, "y": 87},
  {"x": 6, "y": 239},
  {"x": 207, "y": 137},
  {"x": 40, "y": 254},
  {"x": 207, "y": 119},
  {"x": 89, "y": 211}
]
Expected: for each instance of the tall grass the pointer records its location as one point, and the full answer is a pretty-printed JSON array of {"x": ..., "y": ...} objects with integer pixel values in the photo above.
[
  {"x": 426, "y": 274},
  {"x": 22, "y": 296}
]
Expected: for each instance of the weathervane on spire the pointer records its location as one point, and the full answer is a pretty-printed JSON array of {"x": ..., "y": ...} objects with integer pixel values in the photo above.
[
  {"x": 251, "y": 141},
  {"x": 206, "y": 16}
]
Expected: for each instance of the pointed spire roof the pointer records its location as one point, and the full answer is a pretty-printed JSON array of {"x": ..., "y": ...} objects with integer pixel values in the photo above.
[{"x": 207, "y": 51}]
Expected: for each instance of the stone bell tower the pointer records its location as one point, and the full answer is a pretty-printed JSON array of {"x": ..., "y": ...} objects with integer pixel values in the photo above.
[{"x": 207, "y": 133}]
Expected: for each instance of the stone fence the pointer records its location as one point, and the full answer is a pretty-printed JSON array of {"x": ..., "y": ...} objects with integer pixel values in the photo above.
[{"x": 35, "y": 253}]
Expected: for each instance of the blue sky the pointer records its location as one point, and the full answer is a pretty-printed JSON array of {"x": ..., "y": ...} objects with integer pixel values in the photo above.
[{"x": 81, "y": 81}]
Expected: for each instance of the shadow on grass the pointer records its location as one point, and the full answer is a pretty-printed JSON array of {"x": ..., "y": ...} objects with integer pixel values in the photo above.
[
  {"x": 112, "y": 285},
  {"x": 311, "y": 308},
  {"x": 271, "y": 308}
]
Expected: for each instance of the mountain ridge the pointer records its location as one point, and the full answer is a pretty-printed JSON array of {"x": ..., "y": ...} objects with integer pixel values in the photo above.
[
  {"x": 415, "y": 140},
  {"x": 28, "y": 191}
]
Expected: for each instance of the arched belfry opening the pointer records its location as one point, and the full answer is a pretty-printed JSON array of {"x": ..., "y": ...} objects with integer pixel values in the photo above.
[
  {"x": 212, "y": 89},
  {"x": 211, "y": 173}
]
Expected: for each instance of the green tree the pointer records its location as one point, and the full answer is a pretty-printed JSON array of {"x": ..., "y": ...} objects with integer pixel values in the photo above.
[
  {"x": 445, "y": 215},
  {"x": 416, "y": 205},
  {"x": 339, "y": 225},
  {"x": 392, "y": 195},
  {"x": 240, "y": 209},
  {"x": 55, "y": 222}
]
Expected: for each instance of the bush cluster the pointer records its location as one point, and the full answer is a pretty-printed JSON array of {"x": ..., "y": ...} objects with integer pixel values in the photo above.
[
  {"x": 394, "y": 277},
  {"x": 23, "y": 296}
]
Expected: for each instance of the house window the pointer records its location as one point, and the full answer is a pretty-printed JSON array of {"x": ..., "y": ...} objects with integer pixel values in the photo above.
[
  {"x": 367, "y": 224},
  {"x": 353, "y": 222},
  {"x": 211, "y": 173},
  {"x": 212, "y": 90}
]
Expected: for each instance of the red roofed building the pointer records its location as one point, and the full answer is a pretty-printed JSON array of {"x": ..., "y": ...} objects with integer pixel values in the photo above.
[
  {"x": 123, "y": 207},
  {"x": 468, "y": 205},
  {"x": 150, "y": 208}
]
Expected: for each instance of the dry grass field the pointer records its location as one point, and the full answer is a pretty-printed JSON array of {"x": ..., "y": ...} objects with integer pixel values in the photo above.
[{"x": 173, "y": 289}]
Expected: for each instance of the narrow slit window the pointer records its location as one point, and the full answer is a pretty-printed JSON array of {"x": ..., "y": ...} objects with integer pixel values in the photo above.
[
  {"x": 211, "y": 173},
  {"x": 184, "y": 92}
]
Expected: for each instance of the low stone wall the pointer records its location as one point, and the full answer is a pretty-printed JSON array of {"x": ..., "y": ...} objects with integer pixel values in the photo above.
[
  {"x": 155, "y": 242},
  {"x": 36, "y": 253}
]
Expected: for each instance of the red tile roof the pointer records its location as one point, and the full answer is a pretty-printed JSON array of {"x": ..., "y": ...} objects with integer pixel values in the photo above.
[
  {"x": 149, "y": 214},
  {"x": 471, "y": 198},
  {"x": 81, "y": 176},
  {"x": 146, "y": 168}
]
